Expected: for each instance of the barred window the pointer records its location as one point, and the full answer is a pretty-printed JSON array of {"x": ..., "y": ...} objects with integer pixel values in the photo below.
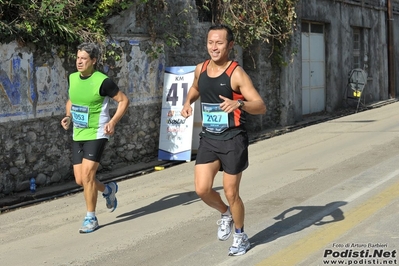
[
  {"x": 360, "y": 48},
  {"x": 356, "y": 48}
]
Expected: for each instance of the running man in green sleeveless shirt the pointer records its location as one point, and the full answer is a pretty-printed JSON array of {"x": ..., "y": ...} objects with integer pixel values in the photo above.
[{"x": 87, "y": 109}]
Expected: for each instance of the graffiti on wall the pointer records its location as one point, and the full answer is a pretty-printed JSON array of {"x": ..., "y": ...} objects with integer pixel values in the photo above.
[
  {"x": 29, "y": 91},
  {"x": 140, "y": 76}
]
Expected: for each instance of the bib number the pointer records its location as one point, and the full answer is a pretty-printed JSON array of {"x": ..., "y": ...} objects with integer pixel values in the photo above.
[
  {"x": 214, "y": 119},
  {"x": 80, "y": 116}
]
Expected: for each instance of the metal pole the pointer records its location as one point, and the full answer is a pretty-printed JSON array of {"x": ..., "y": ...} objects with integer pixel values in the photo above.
[{"x": 391, "y": 66}]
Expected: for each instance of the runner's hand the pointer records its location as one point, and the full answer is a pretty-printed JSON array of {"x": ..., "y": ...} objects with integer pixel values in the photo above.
[
  {"x": 228, "y": 105},
  {"x": 109, "y": 128},
  {"x": 65, "y": 122},
  {"x": 186, "y": 111}
]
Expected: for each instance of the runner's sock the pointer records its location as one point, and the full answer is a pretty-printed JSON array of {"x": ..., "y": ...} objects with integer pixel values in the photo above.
[
  {"x": 240, "y": 230},
  {"x": 91, "y": 214},
  {"x": 227, "y": 212}
]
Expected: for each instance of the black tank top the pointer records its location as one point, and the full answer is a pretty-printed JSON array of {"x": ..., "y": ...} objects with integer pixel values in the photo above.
[{"x": 210, "y": 89}]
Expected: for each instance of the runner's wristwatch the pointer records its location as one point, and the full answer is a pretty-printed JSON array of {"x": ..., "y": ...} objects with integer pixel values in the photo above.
[{"x": 240, "y": 104}]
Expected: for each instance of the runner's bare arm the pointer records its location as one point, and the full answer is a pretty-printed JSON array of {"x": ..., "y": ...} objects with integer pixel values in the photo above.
[
  {"x": 192, "y": 95},
  {"x": 241, "y": 82},
  {"x": 123, "y": 104}
]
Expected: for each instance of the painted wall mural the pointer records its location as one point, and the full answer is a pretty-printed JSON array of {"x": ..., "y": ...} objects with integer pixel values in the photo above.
[{"x": 29, "y": 90}]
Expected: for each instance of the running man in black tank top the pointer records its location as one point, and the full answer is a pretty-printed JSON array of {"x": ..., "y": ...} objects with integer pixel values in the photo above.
[{"x": 227, "y": 94}]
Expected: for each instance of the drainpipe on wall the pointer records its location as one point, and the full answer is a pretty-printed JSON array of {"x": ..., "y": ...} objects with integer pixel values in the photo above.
[{"x": 391, "y": 66}]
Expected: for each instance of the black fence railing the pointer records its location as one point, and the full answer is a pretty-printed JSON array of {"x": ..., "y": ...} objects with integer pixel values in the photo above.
[{"x": 377, "y": 4}]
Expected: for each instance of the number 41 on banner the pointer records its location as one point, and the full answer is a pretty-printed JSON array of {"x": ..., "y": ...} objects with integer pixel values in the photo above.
[{"x": 176, "y": 132}]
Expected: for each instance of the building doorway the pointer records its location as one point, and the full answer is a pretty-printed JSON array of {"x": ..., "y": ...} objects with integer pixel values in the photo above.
[{"x": 313, "y": 68}]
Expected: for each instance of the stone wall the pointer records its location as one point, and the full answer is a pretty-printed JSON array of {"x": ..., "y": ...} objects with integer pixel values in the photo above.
[{"x": 33, "y": 97}]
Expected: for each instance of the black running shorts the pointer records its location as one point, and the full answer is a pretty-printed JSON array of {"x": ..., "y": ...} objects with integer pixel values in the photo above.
[
  {"x": 232, "y": 153},
  {"x": 91, "y": 150}
]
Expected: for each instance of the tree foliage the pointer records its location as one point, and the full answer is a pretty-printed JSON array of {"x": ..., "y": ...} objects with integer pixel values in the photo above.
[
  {"x": 57, "y": 23},
  {"x": 270, "y": 21},
  {"x": 255, "y": 20},
  {"x": 65, "y": 23}
]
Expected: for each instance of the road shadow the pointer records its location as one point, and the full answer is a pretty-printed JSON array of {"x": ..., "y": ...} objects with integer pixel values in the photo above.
[
  {"x": 304, "y": 216},
  {"x": 170, "y": 201}
]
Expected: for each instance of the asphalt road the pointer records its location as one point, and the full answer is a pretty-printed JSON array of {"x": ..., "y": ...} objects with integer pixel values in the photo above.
[{"x": 324, "y": 194}]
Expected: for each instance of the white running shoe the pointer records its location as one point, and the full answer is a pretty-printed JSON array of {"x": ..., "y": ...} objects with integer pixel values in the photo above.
[
  {"x": 240, "y": 244},
  {"x": 90, "y": 224},
  {"x": 225, "y": 227},
  {"x": 110, "y": 198}
]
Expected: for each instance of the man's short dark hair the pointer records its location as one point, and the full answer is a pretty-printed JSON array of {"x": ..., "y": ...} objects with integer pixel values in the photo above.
[
  {"x": 230, "y": 35},
  {"x": 91, "y": 49}
]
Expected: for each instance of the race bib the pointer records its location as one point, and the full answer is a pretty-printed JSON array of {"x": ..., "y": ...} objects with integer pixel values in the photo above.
[
  {"x": 214, "y": 119},
  {"x": 80, "y": 116}
]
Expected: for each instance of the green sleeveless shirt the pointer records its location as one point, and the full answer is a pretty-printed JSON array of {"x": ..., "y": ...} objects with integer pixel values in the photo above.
[{"x": 90, "y": 110}]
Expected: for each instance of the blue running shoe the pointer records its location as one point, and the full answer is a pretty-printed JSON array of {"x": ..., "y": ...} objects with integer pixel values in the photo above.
[
  {"x": 110, "y": 198},
  {"x": 240, "y": 244},
  {"x": 90, "y": 224}
]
